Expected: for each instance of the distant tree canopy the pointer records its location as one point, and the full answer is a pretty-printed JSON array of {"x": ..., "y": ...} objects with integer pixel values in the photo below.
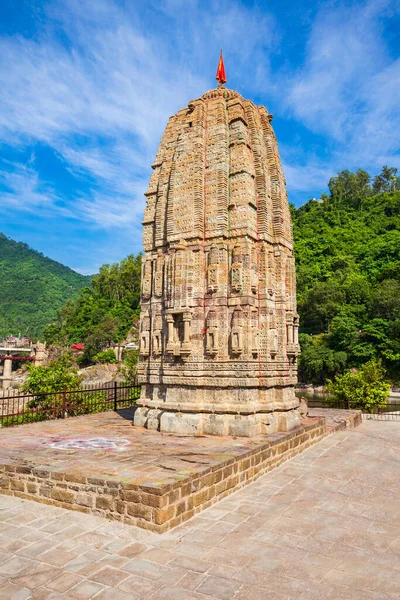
[
  {"x": 348, "y": 275},
  {"x": 104, "y": 311}
]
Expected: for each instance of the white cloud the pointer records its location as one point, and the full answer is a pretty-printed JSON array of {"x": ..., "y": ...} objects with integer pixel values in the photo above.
[
  {"x": 22, "y": 188},
  {"x": 348, "y": 87},
  {"x": 308, "y": 177},
  {"x": 102, "y": 98}
]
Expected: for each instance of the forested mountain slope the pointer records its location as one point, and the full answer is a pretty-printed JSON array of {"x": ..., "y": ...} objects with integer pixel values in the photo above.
[
  {"x": 348, "y": 276},
  {"x": 32, "y": 288},
  {"x": 104, "y": 312}
]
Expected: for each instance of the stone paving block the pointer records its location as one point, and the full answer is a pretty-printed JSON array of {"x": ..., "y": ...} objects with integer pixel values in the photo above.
[
  {"x": 188, "y": 562},
  {"x": 177, "y": 593},
  {"x": 85, "y": 590},
  {"x": 251, "y": 592},
  {"x": 12, "y": 546},
  {"x": 189, "y": 549},
  {"x": 64, "y": 582},
  {"x": 145, "y": 568},
  {"x": 81, "y": 565},
  {"x": 58, "y": 558},
  {"x": 158, "y": 555},
  {"x": 141, "y": 586},
  {"x": 109, "y": 576},
  {"x": 37, "y": 576},
  {"x": 204, "y": 537},
  {"x": 9, "y": 591},
  {"x": 225, "y": 557},
  {"x": 114, "y": 560},
  {"x": 217, "y": 587},
  {"x": 132, "y": 550},
  {"x": 37, "y": 548},
  {"x": 110, "y": 594},
  {"x": 15, "y": 566},
  {"x": 191, "y": 580},
  {"x": 174, "y": 576}
]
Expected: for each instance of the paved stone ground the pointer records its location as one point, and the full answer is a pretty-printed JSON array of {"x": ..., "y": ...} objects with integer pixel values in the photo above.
[{"x": 323, "y": 526}]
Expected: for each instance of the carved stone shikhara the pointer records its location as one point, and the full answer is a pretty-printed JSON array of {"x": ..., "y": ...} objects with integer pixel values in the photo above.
[{"x": 219, "y": 327}]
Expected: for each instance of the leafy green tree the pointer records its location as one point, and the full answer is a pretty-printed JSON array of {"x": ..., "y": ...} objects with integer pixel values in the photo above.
[
  {"x": 386, "y": 300},
  {"x": 317, "y": 361},
  {"x": 349, "y": 189},
  {"x": 321, "y": 304},
  {"x": 105, "y": 357},
  {"x": 129, "y": 366},
  {"x": 364, "y": 389},
  {"x": 57, "y": 376},
  {"x": 386, "y": 181},
  {"x": 101, "y": 337},
  {"x": 343, "y": 332}
]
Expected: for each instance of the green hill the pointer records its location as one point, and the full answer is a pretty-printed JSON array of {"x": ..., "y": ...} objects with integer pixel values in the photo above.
[
  {"x": 347, "y": 248},
  {"x": 32, "y": 288}
]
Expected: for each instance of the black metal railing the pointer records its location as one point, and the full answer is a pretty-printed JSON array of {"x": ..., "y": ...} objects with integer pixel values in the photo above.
[
  {"x": 17, "y": 408},
  {"x": 390, "y": 411}
]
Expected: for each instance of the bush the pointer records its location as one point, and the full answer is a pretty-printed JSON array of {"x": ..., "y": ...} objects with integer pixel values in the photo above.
[
  {"x": 46, "y": 383},
  {"x": 105, "y": 357},
  {"x": 365, "y": 389},
  {"x": 129, "y": 366},
  {"x": 59, "y": 374}
]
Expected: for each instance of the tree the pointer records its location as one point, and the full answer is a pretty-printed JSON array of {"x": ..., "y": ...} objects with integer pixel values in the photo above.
[
  {"x": 59, "y": 374},
  {"x": 129, "y": 366},
  {"x": 105, "y": 357},
  {"x": 386, "y": 181},
  {"x": 349, "y": 188},
  {"x": 101, "y": 337},
  {"x": 317, "y": 361},
  {"x": 364, "y": 389},
  {"x": 321, "y": 304}
]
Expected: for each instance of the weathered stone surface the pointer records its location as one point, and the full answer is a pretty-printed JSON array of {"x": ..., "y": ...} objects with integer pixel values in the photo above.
[
  {"x": 325, "y": 525},
  {"x": 218, "y": 332}
]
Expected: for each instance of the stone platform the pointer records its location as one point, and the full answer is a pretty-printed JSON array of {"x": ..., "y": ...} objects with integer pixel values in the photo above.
[{"x": 102, "y": 465}]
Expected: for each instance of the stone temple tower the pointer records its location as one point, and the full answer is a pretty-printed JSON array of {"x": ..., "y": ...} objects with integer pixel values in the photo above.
[{"x": 219, "y": 327}]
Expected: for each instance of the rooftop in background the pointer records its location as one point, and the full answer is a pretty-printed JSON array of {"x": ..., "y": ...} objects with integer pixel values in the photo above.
[{"x": 13, "y": 350}]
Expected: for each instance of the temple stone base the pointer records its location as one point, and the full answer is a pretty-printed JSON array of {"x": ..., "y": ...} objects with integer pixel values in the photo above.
[
  {"x": 243, "y": 412},
  {"x": 216, "y": 424}
]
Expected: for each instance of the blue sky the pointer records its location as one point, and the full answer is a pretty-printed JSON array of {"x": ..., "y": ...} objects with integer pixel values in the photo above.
[{"x": 87, "y": 86}]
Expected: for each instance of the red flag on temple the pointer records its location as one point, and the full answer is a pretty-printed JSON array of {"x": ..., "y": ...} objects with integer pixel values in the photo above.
[{"x": 220, "y": 76}]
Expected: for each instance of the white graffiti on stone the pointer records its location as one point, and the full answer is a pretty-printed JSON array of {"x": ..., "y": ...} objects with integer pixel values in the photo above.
[{"x": 91, "y": 444}]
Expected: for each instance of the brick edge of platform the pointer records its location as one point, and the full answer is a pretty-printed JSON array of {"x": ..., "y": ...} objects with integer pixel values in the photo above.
[{"x": 160, "y": 507}]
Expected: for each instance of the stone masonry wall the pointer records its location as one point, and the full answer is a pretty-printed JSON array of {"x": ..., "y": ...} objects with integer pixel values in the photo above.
[{"x": 157, "y": 507}]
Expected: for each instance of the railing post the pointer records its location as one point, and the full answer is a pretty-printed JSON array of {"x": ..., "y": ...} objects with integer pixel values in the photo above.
[
  {"x": 115, "y": 395},
  {"x": 64, "y": 402}
]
